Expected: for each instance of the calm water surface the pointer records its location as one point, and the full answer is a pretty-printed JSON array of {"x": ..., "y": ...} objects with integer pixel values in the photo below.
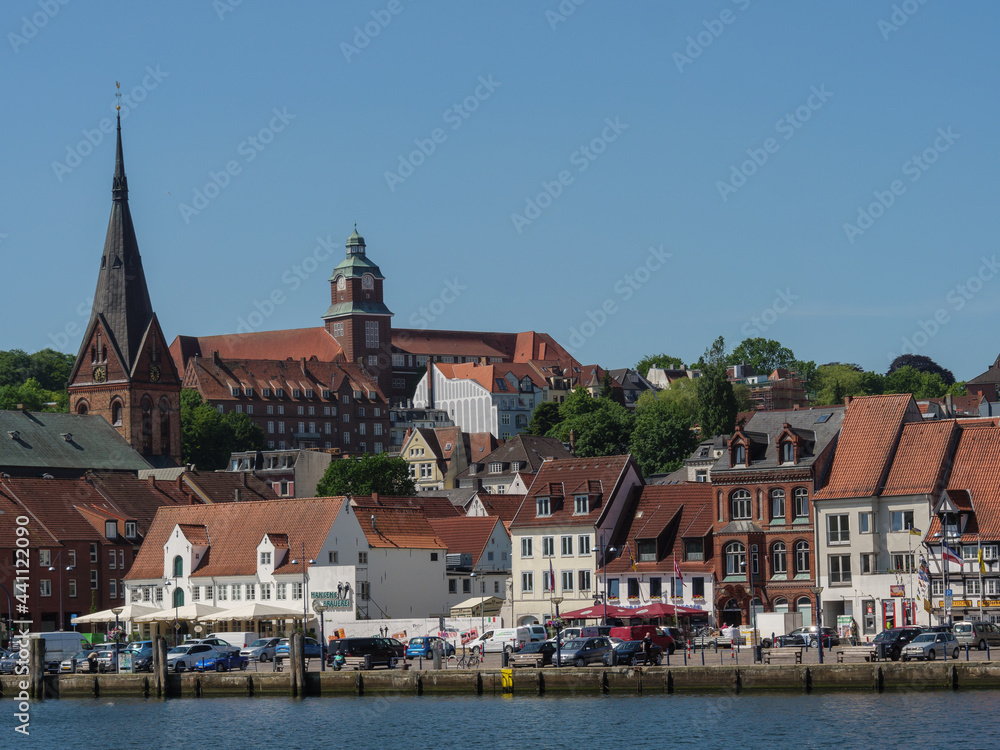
[{"x": 845, "y": 720}]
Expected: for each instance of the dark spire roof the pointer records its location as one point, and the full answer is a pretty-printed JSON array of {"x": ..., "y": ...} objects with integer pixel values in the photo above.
[{"x": 122, "y": 298}]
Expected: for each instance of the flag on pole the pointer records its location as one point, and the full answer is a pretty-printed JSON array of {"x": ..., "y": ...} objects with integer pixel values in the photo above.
[
  {"x": 948, "y": 554},
  {"x": 630, "y": 556},
  {"x": 552, "y": 576},
  {"x": 915, "y": 532},
  {"x": 677, "y": 571},
  {"x": 982, "y": 565}
]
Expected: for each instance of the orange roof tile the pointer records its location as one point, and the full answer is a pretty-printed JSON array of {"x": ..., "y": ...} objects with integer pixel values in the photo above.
[
  {"x": 465, "y": 534},
  {"x": 976, "y": 468},
  {"x": 918, "y": 464},
  {"x": 292, "y": 343},
  {"x": 430, "y": 504},
  {"x": 235, "y": 530},
  {"x": 503, "y": 507},
  {"x": 401, "y": 528},
  {"x": 866, "y": 444}
]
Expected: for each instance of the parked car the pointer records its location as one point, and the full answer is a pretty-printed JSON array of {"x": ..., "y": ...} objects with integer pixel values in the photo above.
[
  {"x": 312, "y": 649},
  {"x": 632, "y": 653},
  {"x": 807, "y": 636},
  {"x": 8, "y": 663},
  {"x": 142, "y": 660},
  {"x": 674, "y": 633},
  {"x": 187, "y": 655},
  {"x": 139, "y": 645},
  {"x": 930, "y": 646},
  {"x": 222, "y": 663},
  {"x": 261, "y": 650},
  {"x": 889, "y": 643},
  {"x": 106, "y": 660},
  {"x": 395, "y": 646},
  {"x": 223, "y": 647},
  {"x": 638, "y": 632},
  {"x": 423, "y": 647},
  {"x": 76, "y": 663},
  {"x": 976, "y": 634},
  {"x": 538, "y": 633},
  {"x": 584, "y": 651},
  {"x": 381, "y": 654},
  {"x": 534, "y": 654}
]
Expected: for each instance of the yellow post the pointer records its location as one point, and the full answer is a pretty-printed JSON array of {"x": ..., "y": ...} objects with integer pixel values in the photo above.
[{"x": 507, "y": 680}]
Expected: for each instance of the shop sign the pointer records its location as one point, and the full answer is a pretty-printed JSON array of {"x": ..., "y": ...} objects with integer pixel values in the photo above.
[
  {"x": 331, "y": 600},
  {"x": 897, "y": 591}
]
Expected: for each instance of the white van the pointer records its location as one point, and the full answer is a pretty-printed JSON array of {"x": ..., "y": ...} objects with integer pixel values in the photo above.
[
  {"x": 503, "y": 639},
  {"x": 59, "y": 645},
  {"x": 241, "y": 638}
]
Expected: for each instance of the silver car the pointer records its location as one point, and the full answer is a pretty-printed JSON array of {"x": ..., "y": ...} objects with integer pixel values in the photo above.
[
  {"x": 931, "y": 646},
  {"x": 187, "y": 656},
  {"x": 976, "y": 634},
  {"x": 261, "y": 650}
]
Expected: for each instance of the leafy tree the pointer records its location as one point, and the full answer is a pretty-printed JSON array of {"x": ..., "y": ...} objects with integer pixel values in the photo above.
[
  {"x": 764, "y": 355},
  {"x": 32, "y": 397},
  {"x": 921, "y": 363},
  {"x": 662, "y": 437},
  {"x": 367, "y": 474},
  {"x": 682, "y": 393},
  {"x": 716, "y": 401},
  {"x": 578, "y": 402},
  {"x": 741, "y": 392},
  {"x": 663, "y": 361},
  {"x": 606, "y": 431},
  {"x": 907, "y": 379},
  {"x": 543, "y": 418},
  {"x": 957, "y": 389},
  {"x": 835, "y": 381},
  {"x": 806, "y": 372},
  {"x": 52, "y": 369},
  {"x": 208, "y": 438},
  {"x": 15, "y": 367}
]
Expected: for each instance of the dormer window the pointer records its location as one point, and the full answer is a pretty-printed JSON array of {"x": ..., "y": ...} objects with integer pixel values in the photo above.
[
  {"x": 130, "y": 530},
  {"x": 647, "y": 550},
  {"x": 265, "y": 558},
  {"x": 496, "y": 467},
  {"x": 740, "y": 455},
  {"x": 279, "y": 392},
  {"x": 543, "y": 507},
  {"x": 326, "y": 393},
  {"x": 787, "y": 452},
  {"x": 581, "y": 505},
  {"x": 111, "y": 529},
  {"x": 296, "y": 393},
  {"x": 234, "y": 391},
  {"x": 309, "y": 392},
  {"x": 248, "y": 392}
]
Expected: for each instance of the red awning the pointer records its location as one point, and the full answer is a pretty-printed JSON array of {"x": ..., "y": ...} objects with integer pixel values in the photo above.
[
  {"x": 595, "y": 612},
  {"x": 661, "y": 609}
]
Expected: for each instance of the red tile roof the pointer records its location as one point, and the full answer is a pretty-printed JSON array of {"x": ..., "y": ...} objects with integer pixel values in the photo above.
[
  {"x": 687, "y": 507},
  {"x": 292, "y": 343},
  {"x": 488, "y": 375},
  {"x": 397, "y": 527},
  {"x": 235, "y": 530},
  {"x": 919, "y": 463},
  {"x": 466, "y": 534},
  {"x": 976, "y": 468},
  {"x": 573, "y": 476},
  {"x": 866, "y": 444},
  {"x": 503, "y": 507},
  {"x": 430, "y": 505}
]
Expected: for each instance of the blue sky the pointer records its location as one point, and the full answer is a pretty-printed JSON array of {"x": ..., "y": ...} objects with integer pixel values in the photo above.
[{"x": 628, "y": 177}]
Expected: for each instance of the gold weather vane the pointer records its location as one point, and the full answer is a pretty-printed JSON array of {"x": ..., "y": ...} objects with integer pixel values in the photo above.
[{"x": 118, "y": 96}]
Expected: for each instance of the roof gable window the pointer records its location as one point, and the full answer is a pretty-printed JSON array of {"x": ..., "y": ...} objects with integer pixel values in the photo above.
[{"x": 543, "y": 507}]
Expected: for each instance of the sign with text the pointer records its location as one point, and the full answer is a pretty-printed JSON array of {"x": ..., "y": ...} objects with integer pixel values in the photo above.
[
  {"x": 469, "y": 636},
  {"x": 332, "y": 599},
  {"x": 897, "y": 591}
]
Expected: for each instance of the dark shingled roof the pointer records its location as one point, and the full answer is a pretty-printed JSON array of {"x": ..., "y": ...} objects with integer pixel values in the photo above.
[{"x": 62, "y": 443}]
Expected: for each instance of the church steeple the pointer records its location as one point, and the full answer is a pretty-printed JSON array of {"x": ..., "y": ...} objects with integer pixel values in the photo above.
[{"x": 124, "y": 371}]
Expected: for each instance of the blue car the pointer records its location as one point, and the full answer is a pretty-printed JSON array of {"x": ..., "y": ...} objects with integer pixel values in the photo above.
[
  {"x": 222, "y": 663},
  {"x": 423, "y": 647},
  {"x": 313, "y": 649}
]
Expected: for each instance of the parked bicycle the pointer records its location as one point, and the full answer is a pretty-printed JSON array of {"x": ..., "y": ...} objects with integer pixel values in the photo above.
[{"x": 470, "y": 660}]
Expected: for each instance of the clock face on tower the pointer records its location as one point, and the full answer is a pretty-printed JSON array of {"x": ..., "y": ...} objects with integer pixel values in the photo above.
[
  {"x": 154, "y": 373},
  {"x": 100, "y": 374},
  {"x": 367, "y": 281}
]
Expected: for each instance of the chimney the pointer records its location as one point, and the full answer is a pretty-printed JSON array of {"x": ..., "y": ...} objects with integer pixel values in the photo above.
[
  {"x": 374, "y": 527},
  {"x": 152, "y": 481},
  {"x": 847, "y": 400},
  {"x": 949, "y": 405},
  {"x": 375, "y": 499},
  {"x": 482, "y": 361},
  {"x": 237, "y": 495},
  {"x": 243, "y": 478},
  {"x": 302, "y": 364},
  {"x": 216, "y": 359},
  {"x": 572, "y": 442}
]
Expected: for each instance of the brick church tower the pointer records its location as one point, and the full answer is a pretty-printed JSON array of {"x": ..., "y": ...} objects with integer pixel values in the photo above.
[
  {"x": 124, "y": 371},
  {"x": 358, "y": 318}
]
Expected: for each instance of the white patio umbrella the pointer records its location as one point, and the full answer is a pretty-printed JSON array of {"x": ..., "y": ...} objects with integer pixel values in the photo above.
[
  {"x": 129, "y": 612},
  {"x": 188, "y": 613},
  {"x": 254, "y": 611}
]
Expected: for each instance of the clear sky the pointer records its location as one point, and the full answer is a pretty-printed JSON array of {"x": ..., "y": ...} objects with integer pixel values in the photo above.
[{"x": 630, "y": 177}]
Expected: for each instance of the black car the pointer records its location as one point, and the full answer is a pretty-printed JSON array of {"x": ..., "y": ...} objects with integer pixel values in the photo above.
[
  {"x": 889, "y": 643},
  {"x": 535, "y": 654},
  {"x": 807, "y": 637},
  {"x": 381, "y": 651},
  {"x": 395, "y": 646},
  {"x": 632, "y": 653}
]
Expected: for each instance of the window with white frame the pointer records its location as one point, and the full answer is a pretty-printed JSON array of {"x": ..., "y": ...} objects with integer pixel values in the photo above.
[
  {"x": 801, "y": 558},
  {"x": 548, "y": 546},
  {"x": 93, "y": 580},
  {"x": 840, "y": 570},
  {"x": 526, "y": 546},
  {"x": 237, "y": 592},
  {"x": 371, "y": 334},
  {"x": 777, "y": 504},
  {"x": 581, "y": 505},
  {"x": 281, "y": 591},
  {"x": 901, "y": 520},
  {"x": 736, "y": 559},
  {"x": 779, "y": 559},
  {"x": 972, "y": 587},
  {"x": 297, "y": 590},
  {"x": 992, "y": 586},
  {"x": 44, "y": 557},
  {"x": 567, "y": 580},
  {"x": 741, "y": 505},
  {"x": 970, "y": 552},
  {"x": 801, "y": 502},
  {"x": 837, "y": 530},
  {"x": 583, "y": 544},
  {"x": 158, "y": 594},
  {"x": 566, "y": 545},
  {"x": 72, "y": 588},
  {"x": 584, "y": 580},
  {"x": 113, "y": 588},
  {"x": 265, "y": 558},
  {"x": 937, "y": 587},
  {"x": 112, "y": 560},
  {"x": 362, "y": 558},
  {"x": 527, "y": 583},
  {"x": 265, "y": 592},
  {"x": 867, "y": 563},
  {"x": 223, "y": 592},
  {"x": 93, "y": 552},
  {"x": 45, "y": 587},
  {"x": 865, "y": 522},
  {"x": 196, "y": 593},
  {"x": 902, "y": 561},
  {"x": 543, "y": 507}
]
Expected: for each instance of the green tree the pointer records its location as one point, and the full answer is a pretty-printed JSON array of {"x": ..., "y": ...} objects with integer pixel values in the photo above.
[
  {"x": 806, "y": 372},
  {"x": 245, "y": 434},
  {"x": 834, "y": 381},
  {"x": 921, "y": 363},
  {"x": 578, "y": 402},
  {"x": 15, "y": 367},
  {"x": 31, "y": 396},
  {"x": 204, "y": 440},
  {"x": 662, "y": 437},
  {"x": 716, "y": 400},
  {"x": 52, "y": 369},
  {"x": 682, "y": 393},
  {"x": 907, "y": 379},
  {"x": 367, "y": 474},
  {"x": 764, "y": 355},
  {"x": 957, "y": 389},
  {"x": 543, "y": 418},
  {"x": 607, "y": 431},
  {"x": 663, "y": 361},
  {"x": 741, "y": 392}
]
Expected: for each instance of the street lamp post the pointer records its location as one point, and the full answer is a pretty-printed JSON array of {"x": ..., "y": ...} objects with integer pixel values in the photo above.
[
  {"x": 305, "y": 611},
  {"x": 557, "y": 600},
  {"x": 482, "y": 599},
  {"x": 59, "y": 565},
  {"x": 117, "y": 611},
  {"x": 320, "y": 609},
  {"x": 604, "y": 565},
  {"x": 817, "y": 590}
]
